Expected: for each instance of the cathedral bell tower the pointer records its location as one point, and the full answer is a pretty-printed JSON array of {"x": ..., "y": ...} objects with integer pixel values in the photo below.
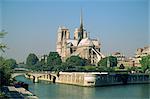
[{"x": 63, "y": 35}]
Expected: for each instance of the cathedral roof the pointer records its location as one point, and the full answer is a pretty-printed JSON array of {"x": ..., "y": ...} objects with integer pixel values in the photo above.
[
  {"x": 96, "y": 42},
  {"x": 73, "y": 42},
  {"x": 86, "y": 42}
]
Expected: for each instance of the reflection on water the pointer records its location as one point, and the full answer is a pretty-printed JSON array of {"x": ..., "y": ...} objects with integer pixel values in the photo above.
[{"x": 47, "y": 90}]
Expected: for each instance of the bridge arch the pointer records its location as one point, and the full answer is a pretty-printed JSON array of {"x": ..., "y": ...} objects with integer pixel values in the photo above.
[
  {"x": 13, "y": 75},
  {"x": 43, "y": 76}
]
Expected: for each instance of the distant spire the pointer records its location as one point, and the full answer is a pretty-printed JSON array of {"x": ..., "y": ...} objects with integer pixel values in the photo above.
[
  {"x": 81, "y": 26},
  {"x": 81, "y": 20},
  {"x": 81, "y": 30}
]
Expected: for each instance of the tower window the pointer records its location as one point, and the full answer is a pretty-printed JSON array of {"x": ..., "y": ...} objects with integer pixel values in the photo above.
[
  {"x": 62, "y": 34},
  {"x": 71, "y": 51},
  {"x": 65, "y": 34}
]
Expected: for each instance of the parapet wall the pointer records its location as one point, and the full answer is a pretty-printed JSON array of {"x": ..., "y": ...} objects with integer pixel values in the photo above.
[
  {"x": 100, "y": 78},
  {"x": 95, "y": 78}
]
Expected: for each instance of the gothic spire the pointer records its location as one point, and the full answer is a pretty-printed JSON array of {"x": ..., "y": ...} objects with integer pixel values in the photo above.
[
  {"x": 81, "y": 20},
  {"x": 81, "y": 26}
]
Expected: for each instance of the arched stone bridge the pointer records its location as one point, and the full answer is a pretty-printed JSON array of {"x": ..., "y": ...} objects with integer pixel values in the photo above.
[
  {"x": 13, "y": 75},
  {"x": 19, "y": 72},
  {"x": 36, "y": 76}
]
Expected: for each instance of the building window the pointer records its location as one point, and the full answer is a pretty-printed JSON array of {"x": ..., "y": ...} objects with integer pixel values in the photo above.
[{"x": 90, "y": 82}]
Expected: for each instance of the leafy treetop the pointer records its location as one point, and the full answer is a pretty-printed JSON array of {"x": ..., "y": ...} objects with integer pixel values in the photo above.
[
  {"x": 53, "y": 59},
  {"x": 76, "y": 61},
  {"x": 145, "y": 62},
  {"x": 32, "y": 59}
]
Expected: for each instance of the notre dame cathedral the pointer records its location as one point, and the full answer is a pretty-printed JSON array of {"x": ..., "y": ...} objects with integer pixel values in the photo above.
[{"x": 80, "y": 45}]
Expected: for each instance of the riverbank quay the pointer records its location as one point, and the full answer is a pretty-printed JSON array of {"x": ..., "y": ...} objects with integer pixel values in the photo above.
[
  {"x": 49, "y": 90},
  {"x": 12, "y": 92},
  {"x": 20, "y": 84},
  {"x": 94, "y": 79}
]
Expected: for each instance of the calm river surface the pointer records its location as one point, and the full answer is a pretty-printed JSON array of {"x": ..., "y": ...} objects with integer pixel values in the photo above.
[{"x": 47, "y": 90}]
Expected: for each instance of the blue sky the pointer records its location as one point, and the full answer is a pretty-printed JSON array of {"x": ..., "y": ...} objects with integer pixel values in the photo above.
[{"x": 120, "y": 25}]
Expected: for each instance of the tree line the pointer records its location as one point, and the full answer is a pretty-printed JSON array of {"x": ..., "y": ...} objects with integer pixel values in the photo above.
[
  {"x": 73, "y": 63},
  {"x": 6, "y": 65},
  {"x": 53, "y": 62},
  {"x": 6, "y": 68}
]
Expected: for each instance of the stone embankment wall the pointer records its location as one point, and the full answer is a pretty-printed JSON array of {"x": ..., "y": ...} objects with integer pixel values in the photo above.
[
  {"x": 95, "y": 78},
  {"x": 115, "y": 79},
  {"x": 77, "y": 78},
  {"x": 101, "y": 79}
]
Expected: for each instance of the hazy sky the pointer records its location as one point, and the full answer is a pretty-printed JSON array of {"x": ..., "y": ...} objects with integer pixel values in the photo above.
[{"x": 120, "y": 25}]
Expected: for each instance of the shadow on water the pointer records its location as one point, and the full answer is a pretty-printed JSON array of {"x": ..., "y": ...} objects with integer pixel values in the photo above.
[{"x": 49, "y": 90}]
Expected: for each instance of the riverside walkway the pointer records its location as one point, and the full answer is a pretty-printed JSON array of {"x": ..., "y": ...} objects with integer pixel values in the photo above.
[{"x": 12, "y": 92}]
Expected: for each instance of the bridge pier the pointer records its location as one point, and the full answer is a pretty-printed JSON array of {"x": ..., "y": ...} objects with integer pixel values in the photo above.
[
  {"x": 35, "y": 79},
  {"x": 54, "y": 79}
]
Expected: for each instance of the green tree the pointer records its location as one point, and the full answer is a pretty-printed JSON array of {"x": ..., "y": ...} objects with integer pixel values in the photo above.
[
  {"x": 5, "y": 72},
  {"x": 145, "y": 62},
  {"x": 103, "y": 62},
  {"x": 32, "y": 59},
  {"x": 40, "y": 66},
  {"x": 76, "y": 61},
  {"x": 53, "y": 59},
  {"x": 112, "y": 61},
  {"x": 11, "y": 63},
  {"x": 64, "y": 66}
]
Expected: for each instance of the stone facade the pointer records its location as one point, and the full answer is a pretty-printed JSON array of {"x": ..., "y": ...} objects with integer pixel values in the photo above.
[
  {"x": 140, "y": 52},
  {"x": 81, "y": 44},
  {"x": 134, "y": 61},
  {"x": 119, "y": 56},
  {"x": 127, "y": 63},
  {"x": 90, "y": 79}
]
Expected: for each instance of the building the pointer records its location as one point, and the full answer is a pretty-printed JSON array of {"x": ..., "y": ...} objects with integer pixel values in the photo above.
[
  {"x": 127, "y": 63},
  {"x": 43, "y": 58},
  {"x": 122, "y": 59},
  {"x": 80, "y": 44},
  {"x": 140, "y": 52},
  {"x": 135, "y": 61},
  {"x": 119, "y": 56}
]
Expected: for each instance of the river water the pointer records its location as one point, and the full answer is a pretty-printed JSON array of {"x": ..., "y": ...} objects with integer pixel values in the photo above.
[{"x": 47, "y": 90}]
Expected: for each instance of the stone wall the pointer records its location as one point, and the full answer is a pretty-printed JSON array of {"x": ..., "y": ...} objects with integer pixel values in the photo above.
[{"x": 94, "y": 78}]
